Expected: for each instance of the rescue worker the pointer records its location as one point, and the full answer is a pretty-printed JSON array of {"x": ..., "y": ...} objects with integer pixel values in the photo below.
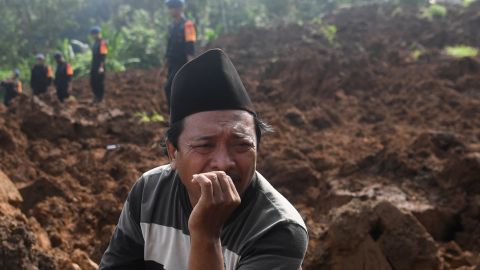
[
  {"x": 181, "y": 42},
  {"x": 208, "y": 209},
  {"x": 12, "y": 87},
  {"x": 97, "y": 71},
  {"x": 41, "y": 76},
  {"x": 63, "y": 77}
]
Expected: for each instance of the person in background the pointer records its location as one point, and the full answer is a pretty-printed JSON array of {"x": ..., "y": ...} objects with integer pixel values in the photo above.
[
  {"x": 41, "y": 76},
  {"x": 97, "y": 72},
  {"x": 181, "y": 42},
  {"x": 12, "y": 87},
  {"x": 63, "y": 77}
]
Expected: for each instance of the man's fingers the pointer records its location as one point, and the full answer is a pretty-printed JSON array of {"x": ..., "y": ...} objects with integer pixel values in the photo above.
[
  {"x": 218, "y": 193},
  {"x": 206, "y": 186},
  {"x": 228, "y": 186},
  {"x": 231, "y": 186},
  {"x": 223, "y": 181},
  {"x": 217, "y": 187}
]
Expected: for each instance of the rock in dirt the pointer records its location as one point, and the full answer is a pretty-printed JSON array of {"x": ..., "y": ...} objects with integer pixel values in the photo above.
[
  {"x": 295, "y": 117},
  {"x": 366, "y": 235},
  {"x": 81, "y": 259},
  {"x": 39, "y": 191},
  {"x": 462, "y": 172},
  {"x": 441, "y": 223},
  {"x": 8, "y": 192},
  {"x": 17, "y": 247}
]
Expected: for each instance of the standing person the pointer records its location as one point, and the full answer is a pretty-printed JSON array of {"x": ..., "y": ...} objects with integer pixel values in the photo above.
[
  {"x": 41, "y": 77},
  {"x": 63, "y": 77},
  {"x": 209, "y": 208},
  {"x": 12, "y": 87},
  {"x": 97, "y": 72},
  {"x": 181, "y": 42}
]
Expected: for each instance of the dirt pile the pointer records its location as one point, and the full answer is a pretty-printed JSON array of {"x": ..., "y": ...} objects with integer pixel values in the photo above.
[{"x": 377, "y": 150}]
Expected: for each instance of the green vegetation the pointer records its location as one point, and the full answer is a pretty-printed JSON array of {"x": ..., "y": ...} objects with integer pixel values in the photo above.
[
  {"x": 461, "y": 51},
  {"x": 329, "y": 31},
  {"x": 434, "y": 11},
  {"x": 467, "y": 3},
  {"x": 144, "y": 117},
  {"x": 416, "y": 54},
  {"x": 136, "y": 30}
]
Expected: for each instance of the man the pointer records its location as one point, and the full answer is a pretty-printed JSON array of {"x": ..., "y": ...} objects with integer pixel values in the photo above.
[
  {"x": 97, "y": 71},
  {"x": 12, "y": 87},
  {"x": 181, "y": 42},
  {"x": 63, "y": 77},
  {"x": 41, "y": 76},
  {"x": 208, "y": 209}
]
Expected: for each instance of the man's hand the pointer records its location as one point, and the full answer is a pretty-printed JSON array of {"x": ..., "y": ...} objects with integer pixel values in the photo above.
[{"x": 218, "y": 199}]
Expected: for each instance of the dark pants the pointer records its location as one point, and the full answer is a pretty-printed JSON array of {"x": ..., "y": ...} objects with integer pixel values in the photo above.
[
  {"x": 62, "y": 93},
  {"x": 9, "y": 95},
  {"x": 172, "y": 71},
  {"x": 97, "y": 81}
]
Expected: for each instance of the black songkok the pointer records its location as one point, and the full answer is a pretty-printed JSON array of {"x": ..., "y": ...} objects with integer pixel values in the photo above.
[{"x": 210, "y": 82}]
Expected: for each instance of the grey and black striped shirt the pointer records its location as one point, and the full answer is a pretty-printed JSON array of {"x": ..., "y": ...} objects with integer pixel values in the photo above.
[{"x": 264, "y": 233}]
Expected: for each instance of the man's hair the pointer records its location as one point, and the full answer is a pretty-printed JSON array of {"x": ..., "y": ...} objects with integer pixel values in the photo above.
[{"x": 173, "y": 132}]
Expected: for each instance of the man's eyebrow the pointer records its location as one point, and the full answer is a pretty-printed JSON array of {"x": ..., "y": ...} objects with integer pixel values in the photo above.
[
  {"x": 202, "y": 138},
  {"x": 242, "y": 135}
]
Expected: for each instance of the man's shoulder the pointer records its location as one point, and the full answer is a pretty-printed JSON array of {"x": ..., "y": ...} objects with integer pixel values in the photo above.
[
  {"x": 157, "y": 175},
  {"x": 150, "y": 183},
  {"x": 268, "y": 220},
  {"x": 275, "y": 205}
]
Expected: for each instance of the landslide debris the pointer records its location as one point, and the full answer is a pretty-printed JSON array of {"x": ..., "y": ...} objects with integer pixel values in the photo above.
[{"x": 378, "y": 151}]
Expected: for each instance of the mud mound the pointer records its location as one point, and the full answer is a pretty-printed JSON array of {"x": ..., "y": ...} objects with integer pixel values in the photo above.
[
  {"x": 371, "y": 145},
  {"x": 378, "y": 236}
]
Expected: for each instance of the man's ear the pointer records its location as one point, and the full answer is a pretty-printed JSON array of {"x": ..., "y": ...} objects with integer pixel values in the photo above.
[{"x": 172, "y": 154}]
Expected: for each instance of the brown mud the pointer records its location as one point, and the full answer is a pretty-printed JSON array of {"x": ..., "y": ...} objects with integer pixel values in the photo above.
[{"x": 380, "y": 152}]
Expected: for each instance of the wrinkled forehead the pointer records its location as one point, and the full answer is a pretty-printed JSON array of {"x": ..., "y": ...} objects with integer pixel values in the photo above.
[{"x": 213, "y": 122}]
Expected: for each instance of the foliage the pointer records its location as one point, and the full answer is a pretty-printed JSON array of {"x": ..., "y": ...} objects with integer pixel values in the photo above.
[
  {"x": 414, "y": 2},
  {"x": 461, "y": 51},
  {"x": 144, "y": 117},
  {"x": 328, "y": 31},
  {"x": 416, "y": 54},
  {"x": 136, "y": 30},
  {"x": 138, "y": 41},
  {"x": 467, "y": 3},
  {"x": 434, "y": 11}
]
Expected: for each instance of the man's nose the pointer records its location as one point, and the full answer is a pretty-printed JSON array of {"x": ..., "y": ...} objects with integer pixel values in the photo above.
[{"x": 222, "y": 160}]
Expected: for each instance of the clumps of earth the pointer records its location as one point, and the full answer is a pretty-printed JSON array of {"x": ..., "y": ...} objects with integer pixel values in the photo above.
[{"x": 379, "y": 151}]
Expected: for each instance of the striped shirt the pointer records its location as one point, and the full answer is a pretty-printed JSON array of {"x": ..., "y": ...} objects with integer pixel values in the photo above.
[{"x": 264, "y": 233}]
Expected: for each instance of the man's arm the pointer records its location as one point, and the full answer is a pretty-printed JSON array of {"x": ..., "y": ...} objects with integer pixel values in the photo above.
[
  {"x": 126, "y": 247},
  {"x": 282, "y": 248},
  {"x": 49, "y": 76},
  {"x": 219, "y": 198},
  {"x": 190, "y": 39},
  {"x": 103, "y": 51},
  {"x": 69, "y": 72}
]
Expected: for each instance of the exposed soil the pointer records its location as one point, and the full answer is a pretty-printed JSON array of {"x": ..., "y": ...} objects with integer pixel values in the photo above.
[{"x": 380, "y": 152}]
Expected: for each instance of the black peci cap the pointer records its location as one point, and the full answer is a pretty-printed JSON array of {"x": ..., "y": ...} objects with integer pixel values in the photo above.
[{"x": 210, "y": 82}]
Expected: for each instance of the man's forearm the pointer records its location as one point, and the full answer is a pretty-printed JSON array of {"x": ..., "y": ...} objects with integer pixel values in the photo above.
[{"x": 205, "y": 254}]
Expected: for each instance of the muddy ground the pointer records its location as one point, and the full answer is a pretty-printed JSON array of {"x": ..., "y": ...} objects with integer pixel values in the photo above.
[{"x": 378, "y": 150}]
